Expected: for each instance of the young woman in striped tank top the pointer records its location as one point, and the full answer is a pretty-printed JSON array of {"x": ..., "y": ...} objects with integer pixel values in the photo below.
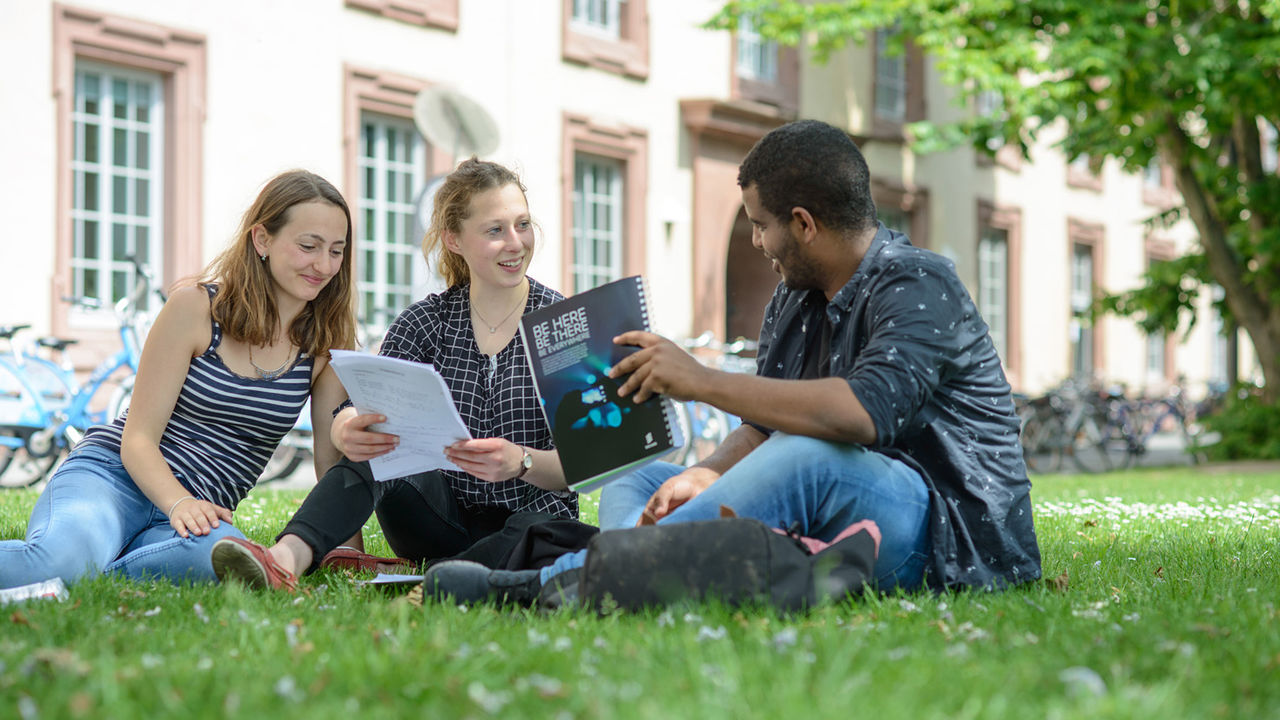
[
  {"x": 482, "y": 240},
  {"x": 226, "y": 368}
]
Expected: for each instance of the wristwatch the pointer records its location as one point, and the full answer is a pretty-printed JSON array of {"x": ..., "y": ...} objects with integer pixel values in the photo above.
[{"x": 526, "y": 463}]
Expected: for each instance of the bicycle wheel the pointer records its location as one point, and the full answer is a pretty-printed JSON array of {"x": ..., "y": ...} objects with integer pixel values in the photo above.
[
  {"x": 284, "y": 461},
  {"x": 1088, "y": 447},
  {"x": 680, "y": 455},
  {"x": 710, "y": 425},
  {"x": 22, "y": 470},
  {"x": 1195, "y": 439},
  {"x": 1042, "y": 441},
  {"x": 6, "y": 453}
]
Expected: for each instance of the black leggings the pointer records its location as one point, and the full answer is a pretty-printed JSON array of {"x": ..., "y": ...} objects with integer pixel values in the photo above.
[{"x": 419, "y": 515}]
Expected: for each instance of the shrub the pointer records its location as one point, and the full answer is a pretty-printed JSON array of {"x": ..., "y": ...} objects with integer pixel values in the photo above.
[{"x": 1246, "y": 428}]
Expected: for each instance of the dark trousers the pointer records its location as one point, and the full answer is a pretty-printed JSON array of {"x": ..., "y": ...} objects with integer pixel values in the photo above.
[{"x": 419, "y": 515}]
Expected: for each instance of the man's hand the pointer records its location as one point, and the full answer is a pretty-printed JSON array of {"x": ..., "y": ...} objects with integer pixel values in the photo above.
[
  {"x": 659, "y": 367},
  {"x": 353, "y": 438},
  {"x": 677, "y": 491}
]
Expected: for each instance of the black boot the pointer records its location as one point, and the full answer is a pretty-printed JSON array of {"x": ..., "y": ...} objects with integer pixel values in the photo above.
[
  {"x": 470, "y": 582},
  {"x": 561, "y": 591}
]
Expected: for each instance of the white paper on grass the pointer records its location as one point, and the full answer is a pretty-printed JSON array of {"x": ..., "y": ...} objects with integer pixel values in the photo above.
[{"x": 417, "y": 404}]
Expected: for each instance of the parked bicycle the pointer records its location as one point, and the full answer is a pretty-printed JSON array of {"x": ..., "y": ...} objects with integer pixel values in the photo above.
[
  {"x": 1142, "y": 423},
  {"x": 36, "y": 428}
]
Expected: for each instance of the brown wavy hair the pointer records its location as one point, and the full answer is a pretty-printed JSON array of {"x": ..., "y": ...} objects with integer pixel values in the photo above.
[
  {"x": 245, "y": 305},
  {"x": 452, "y": 205}
]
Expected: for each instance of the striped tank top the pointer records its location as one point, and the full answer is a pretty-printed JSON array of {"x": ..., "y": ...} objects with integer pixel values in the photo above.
[{"x": 224, "y": 426}]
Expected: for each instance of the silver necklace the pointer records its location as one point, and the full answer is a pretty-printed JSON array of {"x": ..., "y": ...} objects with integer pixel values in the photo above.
[
  {"x": 494, "y": 328},
  {"x": 271, "y": 374}
]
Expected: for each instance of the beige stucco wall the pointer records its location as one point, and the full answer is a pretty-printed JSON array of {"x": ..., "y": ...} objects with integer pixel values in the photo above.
[{"x": 274, "y": 100}]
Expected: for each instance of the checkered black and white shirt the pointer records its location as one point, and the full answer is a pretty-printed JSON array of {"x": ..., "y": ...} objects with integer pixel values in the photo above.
[{"x": 495, "y": 394}]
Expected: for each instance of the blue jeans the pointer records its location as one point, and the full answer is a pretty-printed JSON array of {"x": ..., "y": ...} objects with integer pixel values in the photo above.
[
  {"x": 823, "y": 486},
  {"x": 92, "y": 519}
]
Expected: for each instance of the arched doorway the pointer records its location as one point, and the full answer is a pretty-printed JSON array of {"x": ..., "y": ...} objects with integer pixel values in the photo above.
[{"x": 749, "y": 283}]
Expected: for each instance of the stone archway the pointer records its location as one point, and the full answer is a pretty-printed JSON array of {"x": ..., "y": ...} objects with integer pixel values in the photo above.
[
  {"x": 749, "y": 283},
  {"x": 720, "y": 135}
]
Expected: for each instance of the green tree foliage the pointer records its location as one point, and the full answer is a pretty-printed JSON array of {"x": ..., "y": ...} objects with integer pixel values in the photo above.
[{"x": 1184, "y": 81}]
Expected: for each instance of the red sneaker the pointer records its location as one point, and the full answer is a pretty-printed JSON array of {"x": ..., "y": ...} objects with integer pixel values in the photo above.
[
  {"x": 251, "y": 564},
  {"x": 350, "y": 559}
]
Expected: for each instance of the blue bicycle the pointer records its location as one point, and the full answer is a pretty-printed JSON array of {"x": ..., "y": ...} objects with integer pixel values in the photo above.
[{"x": 39, "y": 422}]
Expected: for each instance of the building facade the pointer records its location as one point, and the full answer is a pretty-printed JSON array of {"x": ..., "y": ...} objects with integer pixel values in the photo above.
[{"x": 145, "y": 127}]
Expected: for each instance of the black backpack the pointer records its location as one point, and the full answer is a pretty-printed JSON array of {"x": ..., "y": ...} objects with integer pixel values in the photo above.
[{"x": 739, "y": 561}]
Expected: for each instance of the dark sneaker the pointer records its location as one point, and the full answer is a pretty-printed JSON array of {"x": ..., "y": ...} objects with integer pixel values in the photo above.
[{"x": 470, "y": 582}]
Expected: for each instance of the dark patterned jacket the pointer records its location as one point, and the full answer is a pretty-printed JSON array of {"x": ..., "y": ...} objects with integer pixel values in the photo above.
[{"x": 910, "y": 342}]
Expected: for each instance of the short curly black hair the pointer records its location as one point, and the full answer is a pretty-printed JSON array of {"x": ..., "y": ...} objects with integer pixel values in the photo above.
[{"x": 812, "y": 165}]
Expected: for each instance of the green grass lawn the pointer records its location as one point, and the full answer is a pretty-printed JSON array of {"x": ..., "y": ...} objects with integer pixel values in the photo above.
[{"x": 1168, "y": 610}]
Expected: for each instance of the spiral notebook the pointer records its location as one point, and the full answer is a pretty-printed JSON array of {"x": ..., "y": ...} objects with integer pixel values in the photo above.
[{"x": 599, "y": 435}]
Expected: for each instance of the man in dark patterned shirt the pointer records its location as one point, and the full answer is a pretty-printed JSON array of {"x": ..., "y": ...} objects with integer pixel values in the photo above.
[{"x": 878, "y": 395}]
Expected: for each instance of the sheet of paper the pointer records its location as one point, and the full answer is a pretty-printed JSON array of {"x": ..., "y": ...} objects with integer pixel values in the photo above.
[
  {"x": 417, "y": 404},
  {"x": 392, "y": 579}
]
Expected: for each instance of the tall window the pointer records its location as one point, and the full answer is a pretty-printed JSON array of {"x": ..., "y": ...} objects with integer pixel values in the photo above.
[
  {"x": 990, "y": 104},
  {"x": 608, "y": 35},
  {"x": 1269, "y": 138},
  {"x": 1152, "y": 177},
  {"x": 891, "y": 79},
  {"x": 757, "y": 57},
  {"x": 1082, "y": 331},
  {"x": 116, "y": 166},
  {"x": 1220, "y": 370},
  {"x": 597, "y": 221},
  {"x": 392, "y": 168},
  {"x": 993, "y": 285},
  {"x": 895, "y": 218},
  {"x": 601, "y": 16},
  {"x": 1156, "y": 343},
  {"x": 1085, "y": 172}
]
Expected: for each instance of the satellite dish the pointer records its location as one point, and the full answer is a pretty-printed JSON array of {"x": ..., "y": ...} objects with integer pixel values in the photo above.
[
  {"x": 452, "y": 121},
  {"x": 424, "y": 205}
]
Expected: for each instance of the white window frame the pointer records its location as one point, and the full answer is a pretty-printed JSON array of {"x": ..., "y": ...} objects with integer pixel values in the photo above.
[
  {"x": 757, "y": 57},
  {"x": 1153, "y": 175},
  {"x": 385, "y": 219},
  {"x": 1156, "y": 343},
  {"x": 890, "y": 81},
  {"x": 590, "y": 241},
  {"x": 600, "y": 17},
  {"x": 895, "y": 218},
  {"x": 1269, "y": 138},
  {"x": 993, "y": 286},
  {"x": 1219, "y": 346},
  {"x": 122, "y": 215},
  {"x": 1082, "y": 334}
]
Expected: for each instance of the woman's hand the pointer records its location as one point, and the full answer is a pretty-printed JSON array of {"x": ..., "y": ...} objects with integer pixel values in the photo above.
[
  {"x": 353, "y": 438},
  {"x": 490, "y": 459},
  {"x": 193, "y": 516}
]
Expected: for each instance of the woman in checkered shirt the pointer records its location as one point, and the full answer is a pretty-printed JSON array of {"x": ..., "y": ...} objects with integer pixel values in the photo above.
[{"x": 482, "y": 239}]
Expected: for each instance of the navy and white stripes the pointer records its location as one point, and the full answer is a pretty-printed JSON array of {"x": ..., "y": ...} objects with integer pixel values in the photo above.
[{"x": 224, "y": 426}]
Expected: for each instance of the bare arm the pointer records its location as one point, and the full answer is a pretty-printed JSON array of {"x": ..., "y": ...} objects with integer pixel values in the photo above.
[
  {"x": 181, "y": 332},
  {"x": 326, "y": 393},
  {"x": 824, "y": 408}
]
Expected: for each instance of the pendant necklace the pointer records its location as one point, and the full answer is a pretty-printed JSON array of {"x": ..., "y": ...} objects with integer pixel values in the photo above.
[
  {"x": 494, "y": 328},
  {"x": 271, "y": 374}
]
